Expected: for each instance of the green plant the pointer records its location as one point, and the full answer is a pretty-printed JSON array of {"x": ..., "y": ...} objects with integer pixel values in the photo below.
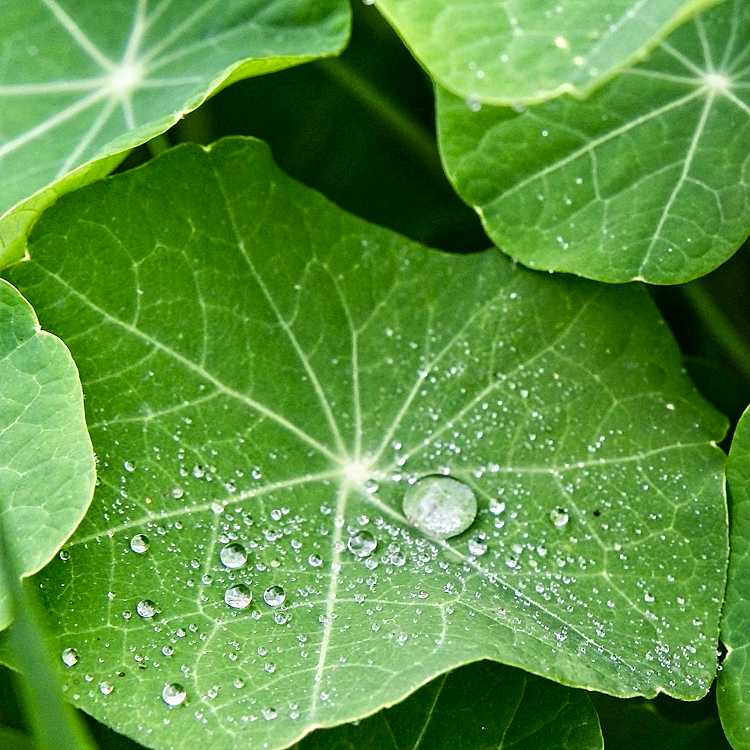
[{"x": 354, "y": 491}]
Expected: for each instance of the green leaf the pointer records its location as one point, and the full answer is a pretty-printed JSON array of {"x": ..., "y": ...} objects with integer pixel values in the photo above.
[
  {"x": 12, "y": 739},
  {"x": 47, "y": 465},
  {"x": 483, "y": 705},
  {"x": 647, "y": 179},
  {"x": 529, "y": 51},
  {"x": 734, "y": 681},
  {"x": 261, "y": 367},
  {"x": 88, "y": 85}
]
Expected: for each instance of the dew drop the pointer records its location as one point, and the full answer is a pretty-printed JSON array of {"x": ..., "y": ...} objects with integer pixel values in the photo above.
[
  {"x": 69, "y": 657},
  {"x": 559, "y": 517},
  {"x": 145, "y": 608},
  {"x": 440, "y": 506},
  {"x": 362, "y": 544},
  {"x": 314, "y": 561},
  {"x": 238, "y": 597},
  {"x": 274, "y": 596},
  {"x": 173, "y": 694},
  {"x": 139, "y": 544},
  {"x": 233, "y": 556},
  {"x": 477, "y": 545},
  {"x": 106, "y": 688}
]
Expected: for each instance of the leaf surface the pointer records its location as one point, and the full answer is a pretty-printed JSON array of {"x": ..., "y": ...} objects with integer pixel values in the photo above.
[
  {"x": 647, "y": 179},
  {"x": 483, "y": 705},
  {"x": 46, "y": 464},
  {"x": 85, "y": 85},
  {"x": 261, "y": 368},
  {"x": 733, "y": 688},
  {"x": 525, "y": 51}
]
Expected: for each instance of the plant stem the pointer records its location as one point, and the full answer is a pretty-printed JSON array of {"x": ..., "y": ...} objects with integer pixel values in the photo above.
[
  {"x": 418, "y": 139},
  {"x": 717, "y": 322},
  {"x": 158, "y": 145}
]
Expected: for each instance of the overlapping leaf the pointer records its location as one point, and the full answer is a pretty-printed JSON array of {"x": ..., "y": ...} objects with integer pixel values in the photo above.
[
  {"x": 482, "y": 705},
  {"x": 646, "y": 179},
  {"x": 262, "y": 368},
  {"x": 46, "y": 461},
  {"x": 522, "y": 51},
  {"x": 80, "y": 83},
  {"x": 734, "y": 682}
]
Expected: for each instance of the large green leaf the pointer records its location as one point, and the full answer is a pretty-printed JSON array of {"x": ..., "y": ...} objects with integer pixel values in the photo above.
[
  {"x": 480, "y": 706},
  {"x": 82, "y": 84},
  {"x": 648, "y": 179},
  {"x": 734, "y": 682},
  {"x": 46, "y": 462},
  {"x": 523, "y": 51},
  {"x": 259, "y": 366}
]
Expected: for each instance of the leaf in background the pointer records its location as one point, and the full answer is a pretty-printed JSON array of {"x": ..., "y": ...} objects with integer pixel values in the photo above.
[
  {"x": 733, "y": 691},
  {"x": 647, "y": 179},
  {"x": 523, "y": 51},
  {"x": 12, "y": 739},
  {"x": 47, "y": 468},
  {"x": 642, "y": 724},
  {"x": 262, "y": 368},
  {"x": 87, "y": 84},
  {"x": 483, "y": 705}
]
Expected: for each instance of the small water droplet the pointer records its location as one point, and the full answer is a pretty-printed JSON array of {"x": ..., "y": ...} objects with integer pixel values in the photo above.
[
  {"x": 69, "y": 657},
  {"x": 314, "y": 561},
  {"x": 145, "y": 608},
  {"x": 233, "y": 556},
  {"x": 477, "y": 545},
  {"x": 274, "y": 596},
  {"x": 105, "y": 688},
  {"x": 440, "y": 506},
  {"x": 559, "y": 517},
  {"x": 129, "y": 466},
  {"x": 174, "y": 694},
  {"x": 139, "y": 544},
  {"x": 238, "y": 597},
  {"x": 362, "y": 544}
]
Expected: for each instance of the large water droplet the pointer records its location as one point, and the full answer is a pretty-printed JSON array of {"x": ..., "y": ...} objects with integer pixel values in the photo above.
[
  {"x": 233, "y": 556},
  {"x": 274, "y": 596},
  {"x": 174, "y": 694},
  {"x": 139, "y": 544},
  {"x": 69, "y": 657},
  {"x": 238, "y": 597},
  {"x": 440, "y": 506},
  {"x": 362, "y": 543},
  {"x": 145, "y": 608}
]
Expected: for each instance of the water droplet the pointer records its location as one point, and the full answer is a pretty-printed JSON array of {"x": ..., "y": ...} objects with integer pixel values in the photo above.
[
  {"x": 559, "y": 517},
  {"x": 139, "y": 544},
  {"x": 145, "y": 608},
  {"x": 440, "y": 506},
  {"x": 477, "y": 545},
  {"x": 238, "y": 597},
  {"x": 233, "y": 556},
  {"x": 315, "y": 561},
  {"x": 69, "y": 657},
  {"x": 174, "y": 694},
  {"x": 105, "y": 688},
  {"x": 649, "y": 598},
  {"x": 362, "y": 544},
  {"x": 274, "y": 596},
  {"x": 129, "y": 466}
]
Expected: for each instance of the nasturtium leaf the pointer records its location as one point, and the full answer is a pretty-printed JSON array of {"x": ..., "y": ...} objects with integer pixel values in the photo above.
[
  {"x": 83, "y": 83},
  {"x": 47, "y": 469},
  {"x": 263, "y": 369},
  {"x": 524, "y": 51},
  {"x": 647, "y": 179},
  {"x": 733, "y": 692},
  {"x": 483, "y": 705}
]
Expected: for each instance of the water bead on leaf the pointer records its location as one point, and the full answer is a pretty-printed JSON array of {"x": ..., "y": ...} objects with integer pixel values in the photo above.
[
  {"x": 238, "y": 597},
  {"x": 139, "y": 544},
  {"x": 274, "y": 596},
  {"x": 69, "y": 657},
  {"x": 174, "y": 694},
  {"x": 233, "y": 556},
  {"x": 106, "y": 688},
  {"x": 362, "y": 544},
  {"x": 145, "y": 608},
  {"x": 440, "y": 506},
  {"x": 559, "y": 517}
]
